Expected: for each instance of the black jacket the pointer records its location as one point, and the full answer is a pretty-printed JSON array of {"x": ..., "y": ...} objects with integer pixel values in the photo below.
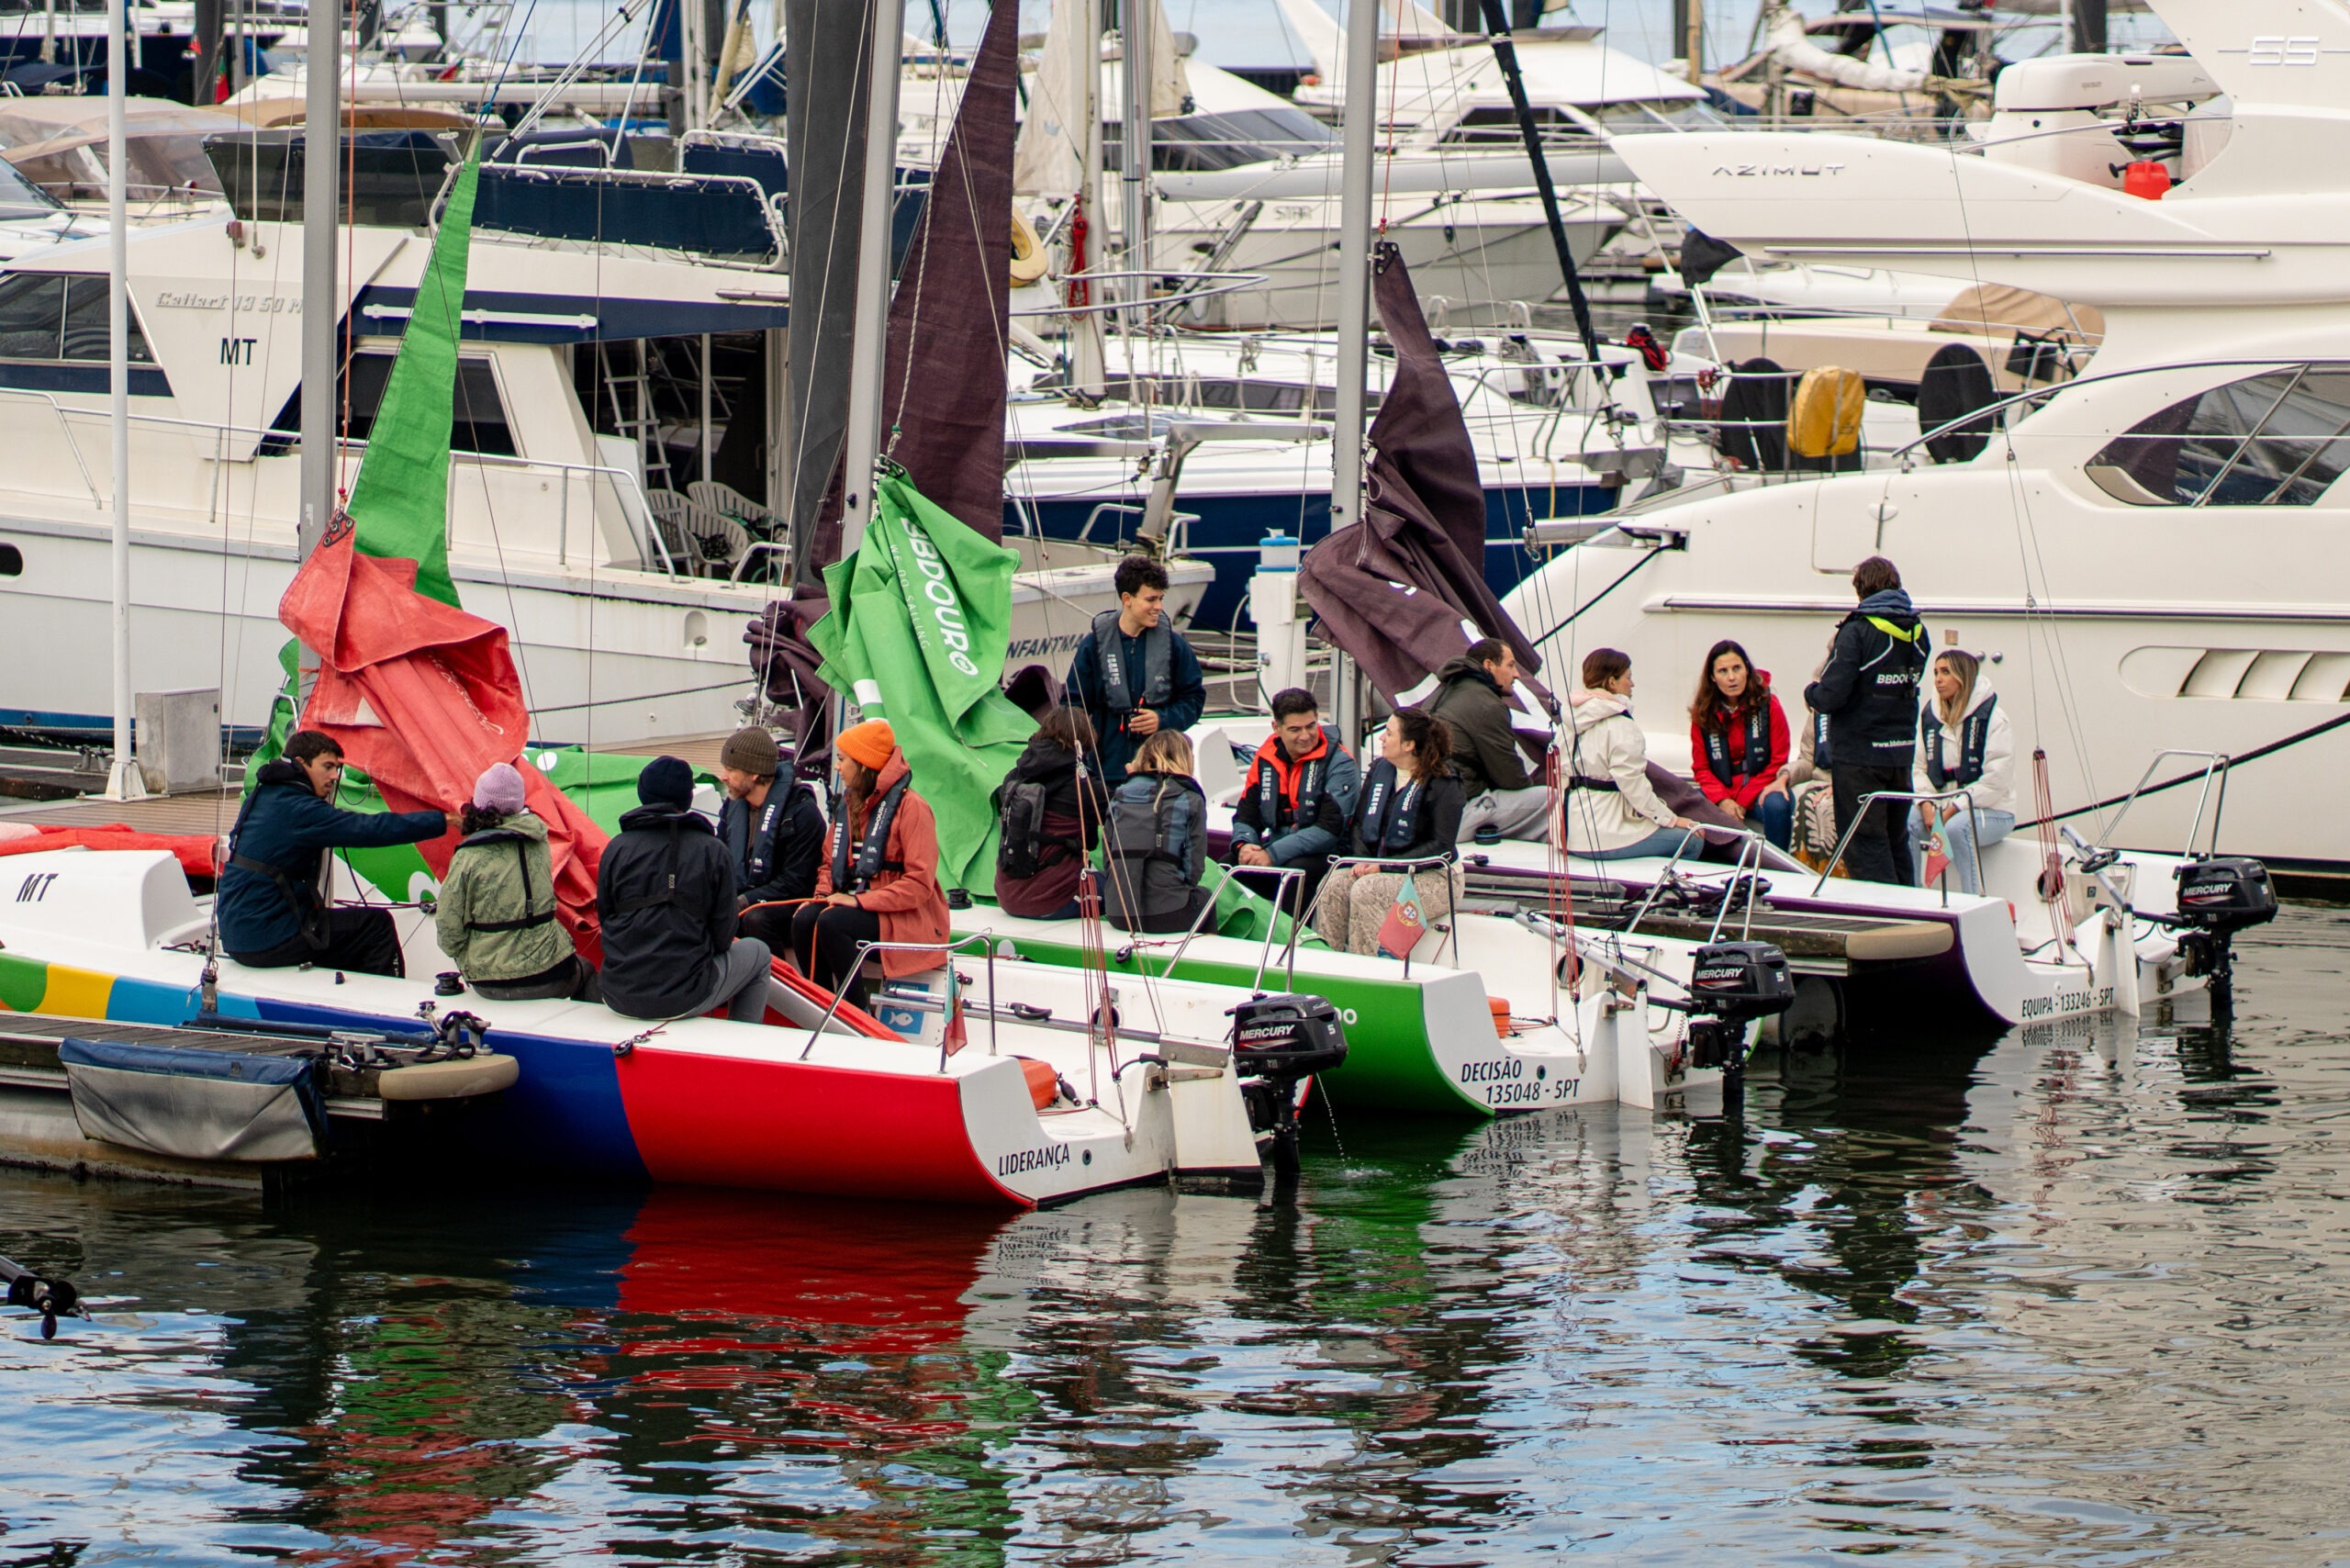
[
  {"x": 663, "y": 947},
  {"x": 285, "y": 825},
  {"x": 1439, "y": 823},
  {"x": 1484, "y": 747},
  {"x": 797, "y": 844},
  {"x": 1075, "y": 805},
  {"x": 1869, "y": 688}
]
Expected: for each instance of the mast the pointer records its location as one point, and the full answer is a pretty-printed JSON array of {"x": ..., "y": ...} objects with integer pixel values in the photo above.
[
  {"x": 1506, "y": 55},
  {"x": 124, "y": 782},
  {"x": 1087, "y": 371},
  {"x": 1134, "y": 159},
  {"x": 862, "y": 447},
  {"x": 322, "y": 158},
  {"x": 1354, "y": 311}
]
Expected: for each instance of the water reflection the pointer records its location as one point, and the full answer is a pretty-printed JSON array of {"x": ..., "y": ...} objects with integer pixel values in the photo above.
[{"x": 2071, "y": 1294}]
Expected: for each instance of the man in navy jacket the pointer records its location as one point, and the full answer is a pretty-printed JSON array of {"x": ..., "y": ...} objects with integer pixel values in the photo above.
[
  {"x": 272, "y": 902},
  {"x": 1133, "y": 674}
]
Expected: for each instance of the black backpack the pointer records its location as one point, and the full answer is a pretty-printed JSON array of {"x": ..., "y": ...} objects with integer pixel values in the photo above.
[{"x": 1020, "y": 827}]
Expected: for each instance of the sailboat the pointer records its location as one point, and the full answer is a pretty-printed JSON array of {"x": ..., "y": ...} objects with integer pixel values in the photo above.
[{"x": 821, "y": 1097}]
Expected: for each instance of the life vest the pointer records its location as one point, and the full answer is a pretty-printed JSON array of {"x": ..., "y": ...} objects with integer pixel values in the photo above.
[
  {"x": 758, "y": 854},
  {"x": 1118, "y": 680},
  {"x": 1753, "y": 759},
  {"x": 1973, "y": 738},
  {"x": 869, "y": 863},
  {"x": 667, "y": 891},
  {"x": 1274, "y": 777},
  {"x": 308, "y": 902},
  {"x": 521, "y": 843},
  {"x": 1391, "y": 813},
  {"x": 1148, "y": 881}
]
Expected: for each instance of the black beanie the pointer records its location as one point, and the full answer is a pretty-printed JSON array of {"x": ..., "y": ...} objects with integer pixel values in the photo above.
[{"x": 665, "y": 781}]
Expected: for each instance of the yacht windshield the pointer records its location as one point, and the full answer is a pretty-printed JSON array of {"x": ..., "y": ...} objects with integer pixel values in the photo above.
[
  {"x": 1194, "y": 143},
  {"x": 20, "y": 197}
]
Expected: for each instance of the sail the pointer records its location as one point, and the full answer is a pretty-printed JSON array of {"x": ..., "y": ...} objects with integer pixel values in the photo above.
[
  {"x": 1404, "y": 592},
  {"x": 422, "y": 695},
  {"x": 942, "y": 384},
  {"x": 1050, "y": 160},
  {"x": 920, "y": 620},
  {"x": 824, "y": 148},
  {"x": 399, "y": 502}
]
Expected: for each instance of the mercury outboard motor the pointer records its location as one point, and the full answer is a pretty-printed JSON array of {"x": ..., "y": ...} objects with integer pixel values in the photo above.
[
  {"x": 2217, "y": 898},
  {"x": 1731, "y": 984},
  {"x": 1277, "y": 1043}
]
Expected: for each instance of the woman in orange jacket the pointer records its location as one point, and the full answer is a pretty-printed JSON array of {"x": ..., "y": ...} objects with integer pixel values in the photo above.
[{"x": 878, "y": 878}]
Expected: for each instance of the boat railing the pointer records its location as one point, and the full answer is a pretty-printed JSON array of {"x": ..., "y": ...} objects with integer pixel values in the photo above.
[
  {"x": 56, "y": 411},
  {"x": 1412, "y": 867},
  {"x": 978, "y": 940},
  {"x": 2215, "y": 768},
  {"x": 1669, "y": 877},
  {"x": 1914, "y": 797},
  {"x": 628, "y": 489}
]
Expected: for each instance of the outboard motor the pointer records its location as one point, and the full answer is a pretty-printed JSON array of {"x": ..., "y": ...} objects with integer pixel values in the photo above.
[
  {"x": 2218, "y": 897},
  {"x": 1277, "y": 1042},
  {"x": 1731, "y": 984}
]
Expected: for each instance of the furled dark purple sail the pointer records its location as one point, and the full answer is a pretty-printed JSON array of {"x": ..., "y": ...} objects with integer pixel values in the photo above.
[
  {"x": 943, "y": 394},
  {"x": 785, "y": 662},
  {"x": 1404, "y": 590}
]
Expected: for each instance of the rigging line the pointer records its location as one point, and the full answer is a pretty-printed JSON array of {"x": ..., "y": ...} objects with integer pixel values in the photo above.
[
  {"x": 1647, "y": 557},
  {"x": 2270, "y": 749}
]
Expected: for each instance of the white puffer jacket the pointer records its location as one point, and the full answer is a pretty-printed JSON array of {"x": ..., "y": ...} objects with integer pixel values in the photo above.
[
  {"x": 1609, "y": 744},
  {"x": 1995, "y": 790}
]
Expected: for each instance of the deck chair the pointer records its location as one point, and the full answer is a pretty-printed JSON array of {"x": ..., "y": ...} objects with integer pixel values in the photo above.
[
  {"x": 699, "y": 540},
  {"x": 729, "y": 502}
]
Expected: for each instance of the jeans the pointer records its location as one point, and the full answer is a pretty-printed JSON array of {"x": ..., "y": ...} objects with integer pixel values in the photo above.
[
  {"x": 1660, "y": 842},
  {"x": 1775, "y": 813},
  {"x": 742, "y": 986},
  {"x": 1993, "y": 825}
]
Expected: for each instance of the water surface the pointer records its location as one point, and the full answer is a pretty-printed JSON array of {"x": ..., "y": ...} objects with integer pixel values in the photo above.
[{"x": 2075, "y": 1296}]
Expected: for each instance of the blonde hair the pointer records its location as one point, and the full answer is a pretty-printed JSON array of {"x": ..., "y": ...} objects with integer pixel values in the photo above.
[
  {"x": 1166, "y": 751},
  {"x": 1964, "y": 666}
]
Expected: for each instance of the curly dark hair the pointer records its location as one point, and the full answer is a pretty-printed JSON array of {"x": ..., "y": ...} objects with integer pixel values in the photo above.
[
  {"x": 1704, "y": 709},
  {"x": 1430, "y": 738},
  {"x": 473, "y": 819}
]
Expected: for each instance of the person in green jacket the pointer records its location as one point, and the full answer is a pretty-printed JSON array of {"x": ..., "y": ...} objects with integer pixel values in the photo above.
[{"x": 498, "y": 920}]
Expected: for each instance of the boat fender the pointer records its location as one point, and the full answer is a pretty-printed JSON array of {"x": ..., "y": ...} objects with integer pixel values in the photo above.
[{"x": 1044, "y": 1083}]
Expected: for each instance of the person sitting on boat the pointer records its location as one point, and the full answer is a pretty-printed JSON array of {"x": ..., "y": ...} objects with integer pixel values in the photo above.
[
  {"x": 773, "y": 831},
  {"x": 1410, "y": 809},
  {"x": 1869, "y": 692},
  {"x": 1739, "y": 742},
  {"x": 1049, "y": 811},
  {"x": 496, "y": 919},
  {"x": 1612, "y": 809},
  {"x": 1156, "y": 850},
  {"x": 666, "y": 895},
  {"x": 1966, "y": 743},
  {"x": 271, "y": 904},
  {"x": 1297, "y": 801},
  {"x": 1133, "y": 674},
  {"x": 1506, "y": 799},
  {"x": 879, "y": 876}
]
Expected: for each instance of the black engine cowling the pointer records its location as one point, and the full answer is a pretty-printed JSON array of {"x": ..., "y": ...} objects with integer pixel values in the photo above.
[
  {"x": 1731, "y": 984},
  {"x": 2217, "y": 898},
  {"x": 1290, "y": 1036},
  {"x": 1276, "y": 1042}
]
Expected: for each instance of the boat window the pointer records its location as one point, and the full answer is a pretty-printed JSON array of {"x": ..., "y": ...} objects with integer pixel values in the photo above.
[
  {"x": 2278, "y": 439},
  {"x": 1497, "y": 123},
  {"x": 12, "y": 561},
  {"x": 1194, "y": 142},
  {"x": 54, "y": 316},
  {"x": 20, "y": 197},
  {"x": 477, "y": 424}
]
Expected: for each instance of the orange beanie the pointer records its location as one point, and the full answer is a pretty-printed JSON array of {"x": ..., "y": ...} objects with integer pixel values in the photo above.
[{"x": 870, "y": 743}]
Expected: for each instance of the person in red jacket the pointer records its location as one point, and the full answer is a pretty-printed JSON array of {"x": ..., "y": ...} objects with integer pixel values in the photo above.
[
  {"x": 878, "y": 880},
  {"x": 1739, "y": 742}
]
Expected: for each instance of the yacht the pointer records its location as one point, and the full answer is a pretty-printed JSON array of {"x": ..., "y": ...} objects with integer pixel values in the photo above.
[
  {"x": 2090, "y": 547},
  {"x": 620, "y": 408}
]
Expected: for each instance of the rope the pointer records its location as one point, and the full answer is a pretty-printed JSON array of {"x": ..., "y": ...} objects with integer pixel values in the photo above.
[{"x": 2271, "y": 749}]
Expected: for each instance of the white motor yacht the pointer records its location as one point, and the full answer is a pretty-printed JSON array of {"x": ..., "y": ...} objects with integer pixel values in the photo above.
[{"x": 2091, "y": 546}]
